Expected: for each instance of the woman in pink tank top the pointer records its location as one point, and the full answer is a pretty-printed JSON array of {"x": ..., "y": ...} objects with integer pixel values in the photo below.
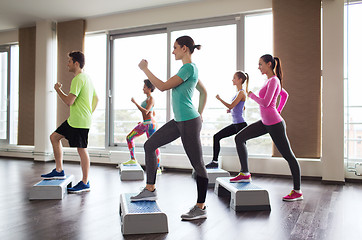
[{"x": 271, "y": 122}]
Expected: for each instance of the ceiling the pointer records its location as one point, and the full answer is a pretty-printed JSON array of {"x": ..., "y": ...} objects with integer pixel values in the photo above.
[{"x": 18, "y": 13}]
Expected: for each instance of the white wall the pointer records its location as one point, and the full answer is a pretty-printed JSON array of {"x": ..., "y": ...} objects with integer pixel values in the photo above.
[{"x": 176, "y": 13}]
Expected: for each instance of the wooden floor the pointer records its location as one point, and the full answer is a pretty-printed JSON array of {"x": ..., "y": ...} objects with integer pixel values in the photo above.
[{"x": 328, "y": 211}]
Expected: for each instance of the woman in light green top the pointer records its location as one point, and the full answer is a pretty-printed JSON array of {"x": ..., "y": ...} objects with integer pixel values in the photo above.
[{"x": 187, "y": 125}]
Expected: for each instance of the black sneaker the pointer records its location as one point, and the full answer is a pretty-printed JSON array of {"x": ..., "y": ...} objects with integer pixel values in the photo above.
[{"x": 212, "y": 164}]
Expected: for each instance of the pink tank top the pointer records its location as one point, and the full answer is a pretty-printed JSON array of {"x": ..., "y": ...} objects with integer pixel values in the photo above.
[{"x": 267, "y": 100}]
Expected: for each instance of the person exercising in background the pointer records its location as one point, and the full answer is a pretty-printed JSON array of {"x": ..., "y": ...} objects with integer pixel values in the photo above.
[
  {"x": 82, "y": 100},
  {"x": 148, "y": 126},
  {"x": 236, "y": 108}
]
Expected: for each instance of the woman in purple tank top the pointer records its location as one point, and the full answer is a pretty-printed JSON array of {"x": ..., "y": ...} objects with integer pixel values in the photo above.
[
  {"x": 236, "y": 108},
  {"x": 271, "y": 122}
]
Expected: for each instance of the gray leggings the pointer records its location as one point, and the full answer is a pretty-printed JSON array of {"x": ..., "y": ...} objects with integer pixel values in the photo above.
[
  {"x": 189, "y": 131},
  {"x": 280, "y": 139}
]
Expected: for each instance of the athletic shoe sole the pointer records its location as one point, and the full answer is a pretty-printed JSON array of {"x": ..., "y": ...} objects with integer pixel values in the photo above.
[
  {"x": 243, "y": 180},
  {"x": 144, "y": 199},
  {"x": 79, "y": 191},
  {"x": 54, "y": 178},
  {"x": 194, "y": 218},
  {"x": 293, "y": 200},
  {"x": 133, "y": 164}
]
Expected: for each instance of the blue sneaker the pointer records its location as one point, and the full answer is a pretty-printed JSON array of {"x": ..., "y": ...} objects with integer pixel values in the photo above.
[
  {"x": 54, "y": 175},
  {"x": 80, "y": 187}
]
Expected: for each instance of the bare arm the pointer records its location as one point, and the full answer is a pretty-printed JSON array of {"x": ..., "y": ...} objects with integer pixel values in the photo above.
[
  {"x": 240, "y": 97},
  {"x": 146, "y": 110},
  {"x": 159, "y": 84},
  {"x": 203, "y": 96},
  {"x": 67, "y": 99}
]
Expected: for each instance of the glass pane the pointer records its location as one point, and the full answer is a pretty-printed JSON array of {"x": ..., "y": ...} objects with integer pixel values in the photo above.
[
  {"x": 355, "y": 114},
  {"x": 95, "y": 65},
  {"x": 216, "y": 62},
  {"x": 128, "y": 81},
  {"x": 257, "y": 43},
  {"x": 3, "y": 94},
  {"x": 14, "y": 93},
  {"x": 353, "y": 83}
]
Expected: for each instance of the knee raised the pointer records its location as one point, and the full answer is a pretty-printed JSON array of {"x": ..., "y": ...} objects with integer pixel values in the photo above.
[
  {"x": 239, "y": 138},
  {"x": 148, "y": 146},
  {"x": 54, "y": 137}
]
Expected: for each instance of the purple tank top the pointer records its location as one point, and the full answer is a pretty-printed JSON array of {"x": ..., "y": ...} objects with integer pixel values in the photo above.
[{"x": 237, "y": 111}]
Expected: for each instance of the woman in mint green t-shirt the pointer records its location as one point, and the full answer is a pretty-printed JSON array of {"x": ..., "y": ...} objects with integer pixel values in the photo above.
[{"x": 187, "y": 125}]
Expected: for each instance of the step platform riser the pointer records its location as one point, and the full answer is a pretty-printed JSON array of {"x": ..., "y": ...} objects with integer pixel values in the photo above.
[
  {"x": 51, "y": 189},
  {"x": 243, "y": 196},
  {"x": 141, "y": 217},
  {"x": 133, "y": 172}
]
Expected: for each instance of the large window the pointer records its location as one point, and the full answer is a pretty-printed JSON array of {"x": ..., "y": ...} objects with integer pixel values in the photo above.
[
  {"x": 95, "y": 65},
  {"x": 4, "y": 81},
  {"x": 353, "y": 84},
  {"x": 127, "y": 81},
  {"x": 9, "y": 92},
  {"x": 228, "y": 45}
]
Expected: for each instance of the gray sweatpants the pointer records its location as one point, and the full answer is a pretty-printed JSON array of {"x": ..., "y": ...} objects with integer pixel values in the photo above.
[{"x": 189, "y": 131}]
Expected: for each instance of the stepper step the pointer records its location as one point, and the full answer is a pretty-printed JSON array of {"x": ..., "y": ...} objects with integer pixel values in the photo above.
[
  {"x": 51, "y": 189},
  {"x": 131, "y": 172},
  {"x": 213, "y": 173},
  {"x": 243, "y": 196},
  {"x": 141, "y": 217}
]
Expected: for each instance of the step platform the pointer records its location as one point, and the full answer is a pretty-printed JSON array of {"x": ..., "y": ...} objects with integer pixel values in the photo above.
[
  {"x": 213, "y": 173},
  {"x": 131, "y": 172},
  {"x": 141, "y": 217},
  {"x": 51, "y": 189},
  {"x": 243, "y": 196}
]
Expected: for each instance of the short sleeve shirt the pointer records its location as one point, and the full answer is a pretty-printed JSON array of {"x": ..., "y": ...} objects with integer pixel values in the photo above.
[
  {"x": 182, "y": 106},
  {"x": 81, "y": 109}
]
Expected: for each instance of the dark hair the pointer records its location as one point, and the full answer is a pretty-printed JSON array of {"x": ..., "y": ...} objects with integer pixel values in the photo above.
[
  {"x": 188, "y": 42},
  {"x": 149, "y": 84},
  {"x": 77, "y": 56},
  {"x": 275, "y": 64},
  {"x": 245, "y": 77}
]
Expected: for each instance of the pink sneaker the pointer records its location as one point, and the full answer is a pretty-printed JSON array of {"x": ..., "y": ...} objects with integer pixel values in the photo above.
[
  {"x": 241, "y": 177},
  {"x": 293, "y": 196}
]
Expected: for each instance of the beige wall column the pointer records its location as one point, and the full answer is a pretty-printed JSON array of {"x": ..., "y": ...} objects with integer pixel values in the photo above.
[
  {"x": 297, "y": 42},
  {"x": 332, "y": 98},
  {"x": 27, "y": 42}
]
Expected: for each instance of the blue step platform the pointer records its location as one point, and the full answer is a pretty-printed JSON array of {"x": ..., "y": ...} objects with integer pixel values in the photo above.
[
  {"x": 141, "y": 217},
  {"x": 243, "y": 196},
  {"x": 51, "y": 189}
]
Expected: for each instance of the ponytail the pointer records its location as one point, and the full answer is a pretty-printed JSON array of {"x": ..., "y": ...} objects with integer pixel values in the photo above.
[
  {"x": 278, "y": 70},
  {"x": 247, "y": 82},
  {"x": 197, "y": 46}
]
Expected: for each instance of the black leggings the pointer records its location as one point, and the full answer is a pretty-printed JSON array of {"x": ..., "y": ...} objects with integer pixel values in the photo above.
[
  {"x": 224, "y": 133},
  {"x": 189, "y": 131},
  {"x": 280, "y": 139}
]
